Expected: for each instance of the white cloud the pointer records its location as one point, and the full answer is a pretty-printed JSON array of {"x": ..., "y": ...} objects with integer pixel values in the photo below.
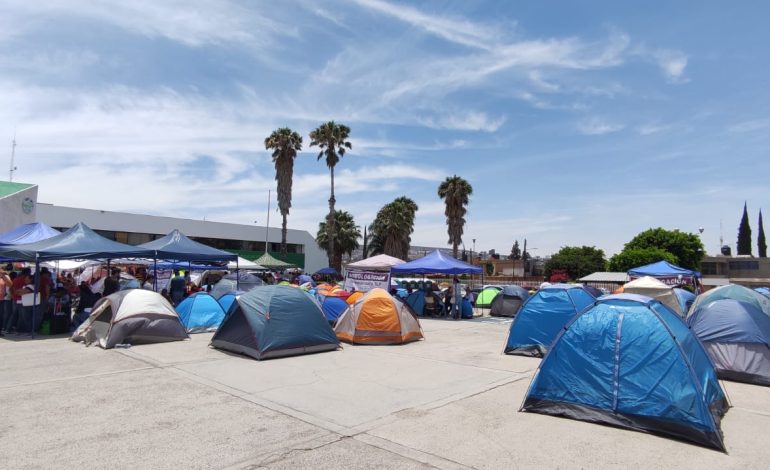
[
  {"x": 750, "y": 126},
  {"x": 468, "y": 121},
  {"x": 672, "y": 63},
  {"x": 458, "y": 31},
  {"x": 599, "y": 126}
]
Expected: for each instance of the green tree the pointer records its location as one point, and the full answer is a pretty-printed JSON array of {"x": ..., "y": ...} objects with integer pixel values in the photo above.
[
  {"x": 578, "y": 261},
  {"x": 346, "y": 240},
  {"x": 332, "y": 139},
  {"x": 455, "y": 192},
  {"x": 285, "y": 143},
  {"x": 515, "y": 251},
  {"x": 635, "y": 257},
  {"x": 761, "y": 243},
  {"x": 392, "y": 228},
  {"x": 744, "y": 234},
  {"x": 686, "y": 247}
]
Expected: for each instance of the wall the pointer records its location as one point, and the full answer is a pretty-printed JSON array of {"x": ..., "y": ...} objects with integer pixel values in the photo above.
[{"x": 12, "y": 207}]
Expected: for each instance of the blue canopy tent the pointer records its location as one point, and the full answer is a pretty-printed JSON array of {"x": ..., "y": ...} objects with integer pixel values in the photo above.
[
  {"x": 629, "y": 361},
  {"x": 436, "y": 262},
  {"x": 28, "y": 233},
  {"x": 666, "y": 273},
  {"x": 79, "y": 242},
  {"x": 176, "y": 246}
]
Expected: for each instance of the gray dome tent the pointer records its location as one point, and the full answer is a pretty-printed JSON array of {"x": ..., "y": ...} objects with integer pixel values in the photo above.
[
  {"x": 737, "y": 337},
  {"x": 508, "y": 302},
  {"x": 134, "y": 316}
]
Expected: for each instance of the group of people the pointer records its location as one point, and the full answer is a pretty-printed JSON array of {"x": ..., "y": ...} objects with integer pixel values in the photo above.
[{"x": 23, "y": 308}]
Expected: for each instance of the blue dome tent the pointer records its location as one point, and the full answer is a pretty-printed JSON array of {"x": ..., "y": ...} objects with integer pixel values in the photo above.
[
  {"x": 275, "y": 321},
  {"x": 200, "y": 312},
  {"x": 733, "y": 292},
  {"x": 416, "y": 300},
  {"x": 764, "y": 291},
  {"x": 737, "y": 337},
  {"x": 629, "y": 361},
  {"x": 332, "y": 307},
  {"x": 227, "y": 300},
  {"x": 542, "y": 317}
]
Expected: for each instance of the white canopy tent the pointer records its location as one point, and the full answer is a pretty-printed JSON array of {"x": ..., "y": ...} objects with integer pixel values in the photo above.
[{"x": 375, "y": 263}]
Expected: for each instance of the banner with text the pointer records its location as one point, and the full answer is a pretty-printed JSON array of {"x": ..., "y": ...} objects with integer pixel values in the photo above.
[{"x": 365, "y": 281}]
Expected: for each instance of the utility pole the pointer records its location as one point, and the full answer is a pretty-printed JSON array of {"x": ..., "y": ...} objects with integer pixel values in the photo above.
[
  {"x": 267, "y": 227},
  {"x": 13, "y": 155},
  {"x": 524, "y": 257}
]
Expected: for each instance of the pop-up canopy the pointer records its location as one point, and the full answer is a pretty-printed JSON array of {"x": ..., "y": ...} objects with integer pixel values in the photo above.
[
  {"x": 28, "y": 233},
  {"x": 665, "y": 272},
  {"x": 176, "y": 246},
  {"x": 436, "y": 263}
]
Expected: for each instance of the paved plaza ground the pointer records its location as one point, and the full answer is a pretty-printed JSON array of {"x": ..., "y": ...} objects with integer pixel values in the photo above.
[{"x": 450, "y": 401}]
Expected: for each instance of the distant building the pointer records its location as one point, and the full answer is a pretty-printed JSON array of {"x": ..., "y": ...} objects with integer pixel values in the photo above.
[
  {"x": 19, "y": 205},
  {"x": 744, "y": 270}
]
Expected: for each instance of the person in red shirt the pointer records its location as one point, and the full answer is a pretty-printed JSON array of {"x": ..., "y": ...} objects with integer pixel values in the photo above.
[{"x": 17, "y": 287}]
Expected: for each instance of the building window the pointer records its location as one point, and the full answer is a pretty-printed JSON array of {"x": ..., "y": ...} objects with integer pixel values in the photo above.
[
  {"x": 744, "y": 265},
  {"x": 709, "y": 268}
]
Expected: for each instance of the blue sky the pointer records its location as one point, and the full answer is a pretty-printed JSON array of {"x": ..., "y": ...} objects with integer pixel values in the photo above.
[{"x": 577, "y": 123}]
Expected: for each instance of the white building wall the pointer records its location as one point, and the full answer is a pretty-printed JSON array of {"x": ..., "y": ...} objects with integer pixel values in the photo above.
[
  {"x": 12, "y": 208},
  {"x": 59, "y": 216}
]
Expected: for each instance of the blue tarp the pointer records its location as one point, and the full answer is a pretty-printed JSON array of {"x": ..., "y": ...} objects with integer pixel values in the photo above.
[
  {"x": 79, "y": 242},
  {"x": 275, "y": 321},
  {"x": 200, "y": 312},
  {"x": 28, "y": 233},
  {"x": 332, "y": 307},
  {"x": 685, "y": 299},
  {"x": 730, "y": 321},
  {"x": 543, "y": 316},
  {"x": 176, "y": 246},
  {"x": 629, "y": 361},
  {"x": 436, "y": 262}
]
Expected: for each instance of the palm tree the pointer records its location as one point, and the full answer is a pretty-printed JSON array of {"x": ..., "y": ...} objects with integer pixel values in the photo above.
[
  {"x": 285, "y": 143},
  {"x": 346, "y": 240},
  {"x": 393, "y": 227},
  {"x": 455, "y": 192},
  {"x": 331, "y": 138}
]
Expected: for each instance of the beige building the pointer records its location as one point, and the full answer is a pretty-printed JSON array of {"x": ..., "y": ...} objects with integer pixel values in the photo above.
[{"x": 744, "y": 270}]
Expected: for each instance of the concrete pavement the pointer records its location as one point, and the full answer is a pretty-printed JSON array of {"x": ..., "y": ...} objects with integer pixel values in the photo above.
[{"x": 450, "y": 401}]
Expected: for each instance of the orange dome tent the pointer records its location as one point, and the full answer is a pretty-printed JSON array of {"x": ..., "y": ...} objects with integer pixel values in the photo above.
[
  {"x": 378, "y": 318},
  {"x": 354, "y": 297}
]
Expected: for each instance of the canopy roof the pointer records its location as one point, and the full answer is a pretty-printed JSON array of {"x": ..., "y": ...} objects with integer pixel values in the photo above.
[
  {"x": 79, "y": 242},
  {"x": 268, "y": 261},
  {"x": 436, "y": 263},
  {"x": 376, "y": 263},
  {"x": 661, "y": 269},
  {"x": 243, "y": 263},
  {"x": 28, "y": 233},
  {"x": 176, "y": 246}
]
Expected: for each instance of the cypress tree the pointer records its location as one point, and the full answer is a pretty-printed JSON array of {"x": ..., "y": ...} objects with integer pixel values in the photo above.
[
  {"x": 761, "y": 244},
  {"x": 744, "y": 234}
]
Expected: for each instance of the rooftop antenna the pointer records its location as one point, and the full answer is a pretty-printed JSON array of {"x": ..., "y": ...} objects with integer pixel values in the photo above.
[
  {"x": 721, "y": 241},
  {"x": 13, "y": 155}
]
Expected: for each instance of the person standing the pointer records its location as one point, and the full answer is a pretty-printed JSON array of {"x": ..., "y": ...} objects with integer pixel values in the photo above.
[
  {"x": 177, "y": 288},
  {"x": 458, "y": 298},
  {"x": 5, "y": 298},
  {"x": 112, "y": 283}
]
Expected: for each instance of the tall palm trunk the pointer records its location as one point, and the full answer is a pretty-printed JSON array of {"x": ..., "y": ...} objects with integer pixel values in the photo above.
[
  {"x": 284, "y": 230},
  {"x": 330, "y": 226}
]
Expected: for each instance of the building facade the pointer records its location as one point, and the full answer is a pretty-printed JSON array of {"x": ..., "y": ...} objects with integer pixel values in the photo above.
[
  {"x": 247, "y": 241},
  {"x": 744, "y": 270}
]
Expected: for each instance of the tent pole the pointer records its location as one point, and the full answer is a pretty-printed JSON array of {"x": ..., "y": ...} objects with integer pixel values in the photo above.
[
  {"x": 155, "y": 273},
  {"x": 35, "y": 292}
]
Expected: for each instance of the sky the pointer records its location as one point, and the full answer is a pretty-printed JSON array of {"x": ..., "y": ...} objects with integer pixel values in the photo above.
[{"x": 575, "y": 122}]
